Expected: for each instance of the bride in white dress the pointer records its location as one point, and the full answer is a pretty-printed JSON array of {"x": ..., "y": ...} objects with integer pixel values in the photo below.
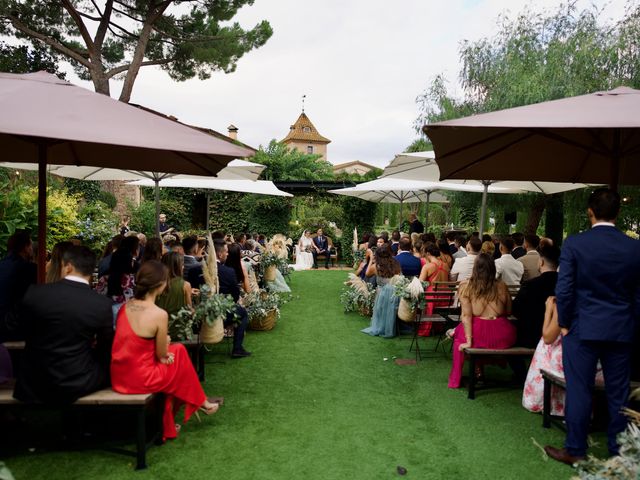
[{"x": 304, "y": 257}]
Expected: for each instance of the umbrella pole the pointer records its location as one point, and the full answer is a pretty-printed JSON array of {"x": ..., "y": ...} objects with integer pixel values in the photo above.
[
  {"x": 156, "y": 191},
  {"x": 400, "y": 216},
  {"x": 426, "y": 210},
  {"x": 483, "y": 210},
  {"x": 42, "y": 211},
  {"x": 206, "y": 222}
]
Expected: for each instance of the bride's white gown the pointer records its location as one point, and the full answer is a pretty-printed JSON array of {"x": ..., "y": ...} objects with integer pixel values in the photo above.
[{"x": 304, "y": 260}]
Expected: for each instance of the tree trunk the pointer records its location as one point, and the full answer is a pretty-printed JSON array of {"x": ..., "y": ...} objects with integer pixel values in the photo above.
[
  {"x": 535, "y": 215},
  {"x": 554, "y": 218},
  {"x": 100, "y": 82}
]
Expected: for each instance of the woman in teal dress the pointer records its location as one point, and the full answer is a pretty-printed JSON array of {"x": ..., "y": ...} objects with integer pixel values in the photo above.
[{"x": 384, "y": 267}]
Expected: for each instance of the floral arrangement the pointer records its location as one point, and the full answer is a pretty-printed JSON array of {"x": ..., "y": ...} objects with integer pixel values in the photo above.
[
  {"x": 625, "y": 466},
  {"x": 259, "y": 303},
  {"x": 271, "y": 259},
  {"x": 358, "y": 295},
  {"x": 411, "y": 291},
  {"x": 358, "y": 256},
  {"x": 211, "y": 306},
  {"x": 632, "y": 234}
]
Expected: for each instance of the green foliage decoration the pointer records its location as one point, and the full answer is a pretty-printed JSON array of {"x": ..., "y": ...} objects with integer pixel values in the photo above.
[
  {"x": 268, "y": 215},
  {"x": 143, "y": 217},
  {"x": 15, "y": 212},
  {"x": 97, "y": 224},
  {"x": 108, "y": 198},
  {"x": 89, "y": 190}
]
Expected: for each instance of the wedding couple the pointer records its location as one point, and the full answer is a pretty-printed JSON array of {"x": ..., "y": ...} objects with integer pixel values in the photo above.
[{"x": 309, "y": 248}]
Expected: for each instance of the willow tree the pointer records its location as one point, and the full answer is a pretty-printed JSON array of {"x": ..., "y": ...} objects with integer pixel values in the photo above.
[
  {"x": 114, "y": 39},
  {"x": 536, "y": 57}
]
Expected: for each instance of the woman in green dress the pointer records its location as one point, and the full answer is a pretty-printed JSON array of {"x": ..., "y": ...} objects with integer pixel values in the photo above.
[{"x": 178, "y": 292}]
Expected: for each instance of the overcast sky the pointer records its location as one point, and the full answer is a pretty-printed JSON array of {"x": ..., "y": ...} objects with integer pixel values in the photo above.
[{"x": 361, "y": 64}]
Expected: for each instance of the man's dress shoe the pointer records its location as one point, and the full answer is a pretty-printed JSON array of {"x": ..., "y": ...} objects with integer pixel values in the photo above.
[{"x": 561, "y": 455}]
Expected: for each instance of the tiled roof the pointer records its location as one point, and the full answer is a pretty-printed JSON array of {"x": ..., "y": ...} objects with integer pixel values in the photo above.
[
  {"x": 353, "y": 163},
  {"x": 297, "y": 132}
]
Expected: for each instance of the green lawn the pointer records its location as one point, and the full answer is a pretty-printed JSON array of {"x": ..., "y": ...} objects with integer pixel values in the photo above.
[{"x": 318, "y": 400}]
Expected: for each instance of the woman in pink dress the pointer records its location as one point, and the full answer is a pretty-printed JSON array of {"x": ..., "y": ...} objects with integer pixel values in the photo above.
[
  {"x": 142, "y": 359},
  {"x": 485, "y": 303},
  {"x": 548, "y": 356}
]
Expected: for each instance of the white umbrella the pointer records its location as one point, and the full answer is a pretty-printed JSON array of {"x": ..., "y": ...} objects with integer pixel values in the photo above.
[
  {"x": 422, "y": 165},
  {"x": 260, "y": 187},
  {"x": 398, "y": 190}
]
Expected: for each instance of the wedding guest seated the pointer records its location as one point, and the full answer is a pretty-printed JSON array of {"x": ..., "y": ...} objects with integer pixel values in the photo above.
[
  {"x": 175, "y": 246},
  {"x": 409, "y": 264},
  {"x": 17, "y": 272},
  {"x": 531, "y": 258},
  {"x": 518, "y": 250},
  {"x": 234, "y": 261},
  {"x": 54, "y": 265},
  {"x": 69, "y": 333},
  {"x": 229, "y": 285},
  {"x": 119, "y": 283},
  {"x": 153, "y": 250},
  {"x": 384, "y": 267},
  {"x": 434, "y": 270},
  {"x": 445, "y": 253},
  {"x": 192, "y": 266},
  {"x": 485, "y": 303},
  {"x": 463, "y": 266},
  {"x": 105, "y": 261},
  {"x": 144, "y": 361},
  {"x": 461, "y": 247},
  {"x": 496, "y": 245},
  {"x": 508, "y": 269},
  {"x": 548, "y": 356},
  {"x": 451, "y": 241},
  {"x": 178, "y": 292},
  {"x": 488, "y": 247},
  {"x": 529, "y": 303},
  {"x": 395, "y": 241},
  {"x": 368, "y": 255}
]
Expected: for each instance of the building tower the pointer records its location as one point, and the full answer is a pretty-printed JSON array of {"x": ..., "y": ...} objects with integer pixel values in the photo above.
[{"x": 304, "y": 137}]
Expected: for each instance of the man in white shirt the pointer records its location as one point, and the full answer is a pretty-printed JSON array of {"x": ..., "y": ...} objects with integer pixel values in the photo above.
[
  {"x": 463, "y": 267},
  {"x": 460, "y": 243},
  {"x": 508, "y": 268},
  {"x": 531, "y": 259}
]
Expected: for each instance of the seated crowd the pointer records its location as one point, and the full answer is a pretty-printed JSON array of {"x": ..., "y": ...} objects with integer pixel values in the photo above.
[{"x": 84, "y": 332}]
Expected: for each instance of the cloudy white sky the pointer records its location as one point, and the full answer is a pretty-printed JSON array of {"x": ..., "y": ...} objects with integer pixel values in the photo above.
[{"x": 361, "y": 64}]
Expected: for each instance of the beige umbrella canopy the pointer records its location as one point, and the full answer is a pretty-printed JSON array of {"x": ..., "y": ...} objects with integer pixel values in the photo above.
[
  {"x": 592, "y": 138},
  {"x": 46, "y": 120}
]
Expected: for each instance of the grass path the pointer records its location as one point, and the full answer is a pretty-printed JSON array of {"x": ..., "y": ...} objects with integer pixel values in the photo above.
[{"x": 317, "y": 400}]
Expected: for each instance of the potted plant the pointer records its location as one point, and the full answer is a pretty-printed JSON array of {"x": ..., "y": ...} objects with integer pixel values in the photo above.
[
  {"x": 209, "y": 315},
  {"x": 358, "y": 296},
  {"x": 263, "y": 309},
  {"x": 412, "y": 298},
  {"x": 268, "y": 265}
]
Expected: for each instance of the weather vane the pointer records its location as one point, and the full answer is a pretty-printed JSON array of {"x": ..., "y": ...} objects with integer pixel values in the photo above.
[{"x": 303, "y": 97}]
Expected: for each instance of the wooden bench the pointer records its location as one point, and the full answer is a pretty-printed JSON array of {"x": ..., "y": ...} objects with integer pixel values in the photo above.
[
  {"x": 107, "y": 399},
  {"x": 553, "y": 379},
  {"x": 474, "y": 353}
]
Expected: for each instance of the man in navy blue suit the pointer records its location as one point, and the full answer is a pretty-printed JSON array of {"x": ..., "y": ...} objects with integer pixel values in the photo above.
[
  {"x": 229, "y": 285},
  {"x": 598, "y": 298},
  {"x": 321, "y": 247},
  {"x": 409, "y": 265}
]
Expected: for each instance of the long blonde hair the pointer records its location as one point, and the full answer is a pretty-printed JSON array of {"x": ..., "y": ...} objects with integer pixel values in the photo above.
[{"x": 482, "y": 285}]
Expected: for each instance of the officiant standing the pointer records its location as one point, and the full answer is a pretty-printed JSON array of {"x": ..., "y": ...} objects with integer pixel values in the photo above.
[{"x": 321, "y": 247}]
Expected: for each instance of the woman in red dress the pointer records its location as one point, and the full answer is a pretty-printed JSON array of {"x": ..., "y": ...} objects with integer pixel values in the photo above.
[
  {"x": 142, "y": 359},
  {"x": 434, "y": 270}
]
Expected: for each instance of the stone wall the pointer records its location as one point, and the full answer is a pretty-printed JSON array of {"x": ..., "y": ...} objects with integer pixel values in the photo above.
[{"x": 124, "y": 194}]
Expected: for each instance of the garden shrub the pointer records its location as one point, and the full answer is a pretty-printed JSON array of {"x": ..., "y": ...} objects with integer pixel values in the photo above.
[
  {"x": 108, "y": 198},
  {"x": 97, "y": 224},
  {"x": 143, "y": 217}
]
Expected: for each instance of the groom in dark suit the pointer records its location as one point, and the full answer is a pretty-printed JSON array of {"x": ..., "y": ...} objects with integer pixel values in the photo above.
[
  {"x": 321, "y": 247},
  {"x": 598, "y": 297},
  {"x": 69, "y": 331}
]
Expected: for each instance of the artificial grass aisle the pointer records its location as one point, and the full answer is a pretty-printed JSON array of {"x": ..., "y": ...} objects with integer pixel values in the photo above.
[{"x": 317, "y": 401}]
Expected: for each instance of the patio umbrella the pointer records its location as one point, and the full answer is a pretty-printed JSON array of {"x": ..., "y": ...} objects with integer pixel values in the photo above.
[
  {"x": 395, "y": 190},
  {"x": 592, "y": 138},
  {"x": 46, "y": 120},
  {"x": 423, "y": 166}
]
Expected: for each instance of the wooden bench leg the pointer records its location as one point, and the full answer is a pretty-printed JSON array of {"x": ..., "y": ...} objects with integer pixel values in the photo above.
[
  {"x": 472, "y": 377},
  {"x": 546, "y": 404},
  {"x": 141, "y": 440}
]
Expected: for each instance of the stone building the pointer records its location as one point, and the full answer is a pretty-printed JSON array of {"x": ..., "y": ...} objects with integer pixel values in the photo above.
[
  {"x": 304, "y": 137},
  {"x": 358, "y": 167}
]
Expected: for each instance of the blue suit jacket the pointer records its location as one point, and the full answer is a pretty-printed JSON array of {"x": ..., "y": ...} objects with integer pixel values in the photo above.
[
  {"x": 409, "y": 264},
  {"x": 322, "y": 245},
  {"x": 598, "y": 289}
]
